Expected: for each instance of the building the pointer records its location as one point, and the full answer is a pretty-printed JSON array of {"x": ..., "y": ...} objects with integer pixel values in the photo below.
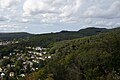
[
  {"x": 1, "y": 70},
  {"x": 11, "y": 74}
]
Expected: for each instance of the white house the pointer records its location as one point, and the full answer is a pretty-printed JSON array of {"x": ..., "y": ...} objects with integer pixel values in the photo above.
[
  {"x": 1, "y": 69},
  {"x": 11, "y": 74}
]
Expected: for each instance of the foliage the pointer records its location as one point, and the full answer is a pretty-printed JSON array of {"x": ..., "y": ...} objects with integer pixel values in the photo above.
[
  {"x": 90, "y": 58},
  {"x": 75, "y": 56},
  {"x": 12, "y": 36}
]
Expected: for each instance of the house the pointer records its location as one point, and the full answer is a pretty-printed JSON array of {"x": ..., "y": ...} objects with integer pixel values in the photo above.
[
  {"x": 32, "y": 57},
  {"x": 31, "y": 64},
  {"x": 5, "y": 57},
  {"x": 12, "y": 65},
  {"x": 25, "y": 67},
  {"x": 11, "y": 74},
  {"x": 45, "y": 57},
  {"x": 44, "y": 52},
  {"x": 8, "y": 65},
  {"x": 1, "y": 70},
  {"x": 49, "y": 57},
  {"x": 33, "y": 69},
  {"x": 28, "y": 47},
  {"x": 40, "y": 54},
  {"x": 30, "y": 52},
  {"x": 38, "y": 48},
  {"x": 2, "y": 74},
  {"x": 36, "y": 68},
  {"x": 22, "y": 75},
  {"x": 41, "y": 58}
]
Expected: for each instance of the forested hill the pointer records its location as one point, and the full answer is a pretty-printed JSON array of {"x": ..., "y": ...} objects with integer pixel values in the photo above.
[
  {"x": 11, "y": 36},
  {"x": 45, "y": 39},
  {"x": 89, "y": 58},
  {"x": 88, "y": 54},
  {"x": 63, "y": 35}
]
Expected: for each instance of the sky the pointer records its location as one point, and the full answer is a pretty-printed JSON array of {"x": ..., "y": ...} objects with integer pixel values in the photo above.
[{"x": 44, "y": 16}]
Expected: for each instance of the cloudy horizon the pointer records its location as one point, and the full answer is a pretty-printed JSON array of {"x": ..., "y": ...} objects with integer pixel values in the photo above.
[{"x": 43, "y": 16}]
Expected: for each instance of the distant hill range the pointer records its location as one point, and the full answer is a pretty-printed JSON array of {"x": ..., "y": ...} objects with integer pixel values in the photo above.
[
  {"x": 90, "y": 58},
  {"x": 11, "y": 36},
  {"x": 48, "y": 38}
]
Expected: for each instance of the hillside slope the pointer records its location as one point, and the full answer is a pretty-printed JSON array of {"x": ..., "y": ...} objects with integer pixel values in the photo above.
[
  {"x": 90, "y": 58},
  {"x": 46, "y": 39},
  {"x": 11, "y": 36}
]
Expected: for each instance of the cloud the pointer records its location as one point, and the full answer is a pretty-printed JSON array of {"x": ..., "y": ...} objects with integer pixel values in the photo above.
[
  {"x": 56, "y": 12},
  {"x": 2, "y": 18},
  {"x": 8, "y": 3},
  {"x": 9, "y": 10},
  {"x": 95, "y": 11},
  {"x": 32, "y": 7},
  {"x": 71, "y": 9},
  {"x": 49, "y": 11},
  {"x": 11, "y": 27},
  {"x": 5, "y": 27},
  {"x": 24, "y": 20},
  {"x": 61, "y": 7}
]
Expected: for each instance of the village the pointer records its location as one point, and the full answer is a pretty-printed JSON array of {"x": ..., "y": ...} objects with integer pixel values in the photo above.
[
  {"x": 20, "y": 63},
  {"x": 2, "y": 43}
]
